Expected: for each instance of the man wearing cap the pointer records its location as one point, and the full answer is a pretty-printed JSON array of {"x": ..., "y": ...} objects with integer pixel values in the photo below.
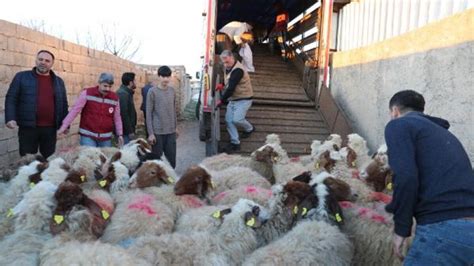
[
  {"x": 36, "y": 104},
  {"x": 100, "y": 114}
]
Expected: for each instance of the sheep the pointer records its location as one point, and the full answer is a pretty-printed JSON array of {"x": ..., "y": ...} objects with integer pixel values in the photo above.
[
  {"x": 88, "y": 253},
  {"x": 56, "y": 172},
  {"x": 234, "y": 177},
  {"x": 153, "y": 173},
  {"x": 282, "y": 166},
  {"x": 203, "y": 219},
  {"x": 131, "y": 153},
  {"x": 282, "y": 209},
  {"x": 378, "y": 172},
  {"x": 229, "y": 197},
  {"x": 235, "y": 238},
  {"x": 89, "y": 162},
  {"x": 15, "y": 191},
  {"x": 371, "y": 233},
  {"x": 308, "y": 243},
  {"x": 359, "y": 145},
  {"x": 77, "y": 215},
  {"x": 31, "y": 226},
  {"x": 138, "y": 214}
]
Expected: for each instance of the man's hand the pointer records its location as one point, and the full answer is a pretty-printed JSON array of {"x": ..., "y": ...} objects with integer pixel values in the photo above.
[
  {"x": 12, "y": 124},
  {"x": 398, "y": 242},
  {"x": 120, "y": 141},
  {"x": 152, "y": 139}
]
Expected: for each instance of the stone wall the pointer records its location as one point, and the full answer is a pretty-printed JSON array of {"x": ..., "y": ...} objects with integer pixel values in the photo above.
[
  {"x": 435, "y": 60},
  {"x": 76, "y": 64}
]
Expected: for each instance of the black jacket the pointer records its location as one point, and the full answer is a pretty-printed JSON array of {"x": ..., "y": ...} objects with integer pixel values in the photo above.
[
  {"x": 21, "y": 99},
  {"x": 127, "y": 110}
]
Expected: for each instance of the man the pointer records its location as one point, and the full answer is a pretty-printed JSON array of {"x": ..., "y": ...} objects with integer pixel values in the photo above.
[
  {"x": 127, "y": 106},
  {"x": 161, "y": 116},
  {"x": 238, "y": 92},
  {"x": 36, "y": 103},
  {"x": 235, "y": 29},
  {"x": 100, "y": 113},
  {"x": 433, "y": 182}
]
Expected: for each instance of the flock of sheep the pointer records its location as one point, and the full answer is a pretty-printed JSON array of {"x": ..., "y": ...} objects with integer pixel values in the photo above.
[{"x": 108, "y": 206}]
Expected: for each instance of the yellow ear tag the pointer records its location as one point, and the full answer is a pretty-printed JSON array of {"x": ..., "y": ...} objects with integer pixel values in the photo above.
[
  {"x": 275, "y": 159},
  {"x": 338, "y": 218},
  {"x": 10, "y": 213},
  {"x": 58, "y": 219},
  {"x": 316, "y": 165},
  {"x": 251, "y": 222},
  {"x": 105, "y": 214},
  {"x": 295, "y": 210},
  {"x": 217, "y": 214},
  {"x": 213, "y": 185},
  {"x": 390, "y": 186},
  {"x": 353, "y": 164},
  {"x": 32, "y": 185},
  {"x": 83, "y": 178},
  {"x": 102, "y": 183},
  {"x": 304, "y": 212},
  {"x": 170, "y": 179}
]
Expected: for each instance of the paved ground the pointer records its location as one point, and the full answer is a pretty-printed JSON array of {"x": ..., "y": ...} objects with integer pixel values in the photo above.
[{"x": 190, "y": 150}]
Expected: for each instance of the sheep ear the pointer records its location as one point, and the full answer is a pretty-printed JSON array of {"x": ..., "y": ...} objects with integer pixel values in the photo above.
[
  {"x": 42, "y": 166},
  {"x": 40, "y": 158},
  {"x": 116, "y": 157},
  {"x": 303, "y": 177},
  {"x": 251, "y": 220},
  {"x": 35, "y": 178},
  {"x": 373, "y": 155},
  {"x": 336, "y": 148},
  {"x": 103, "y": 159},
  {"x": 335, "y": 210},
  {"x": 221, "y": 214}
]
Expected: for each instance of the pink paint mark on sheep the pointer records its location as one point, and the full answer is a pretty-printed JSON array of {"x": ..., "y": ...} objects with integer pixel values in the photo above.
[
  {"x": 295, "y": 159},
  {"x": 220, "y": 196},
  {"x": 251, "y": 189},
  {"x": 143, "y": 203},
  {"x": 356, "y": 174},
  {"x": 363, "y": 211},
  {"x": 346, "y": 204},
  {"x": 379, "y": 196},
  {"x": 192, "y": 201},
  {"x": 378, "y": 218}
]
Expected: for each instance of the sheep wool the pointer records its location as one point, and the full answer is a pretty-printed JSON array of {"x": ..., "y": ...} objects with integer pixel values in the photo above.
[
  {"x": 138, "y": 214},
  {"x": 230, "y": 197},
  {"x": 308, "y": 243},
  {"x": 234, "y": 177},
  {"x": 203, "y": 219}
]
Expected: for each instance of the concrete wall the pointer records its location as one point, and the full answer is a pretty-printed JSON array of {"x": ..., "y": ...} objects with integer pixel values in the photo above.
[
  {"x": 435, "y": 60},
  {"x": 77, "y": 65}
]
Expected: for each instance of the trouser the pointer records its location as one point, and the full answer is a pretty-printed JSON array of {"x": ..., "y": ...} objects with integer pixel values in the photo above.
[
  {"x": 87, "y": 141},
  {"x": 445, "y": 243},
  {"x": 235, "y": 116},
  {"x": 32, "y": 138},
  {"x": 166, "y": 144}
]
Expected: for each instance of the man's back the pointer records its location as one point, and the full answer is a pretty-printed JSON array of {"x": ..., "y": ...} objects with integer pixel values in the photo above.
[{"x": 433, "y": 168}]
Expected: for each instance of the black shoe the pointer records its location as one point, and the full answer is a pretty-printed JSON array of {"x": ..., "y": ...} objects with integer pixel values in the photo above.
[
  {"x": 231, "y": 148},
  {"x": 247, "y": 134}
]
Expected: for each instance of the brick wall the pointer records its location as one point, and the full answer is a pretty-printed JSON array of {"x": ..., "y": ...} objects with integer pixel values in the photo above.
[{"x": 79, "y": 66}]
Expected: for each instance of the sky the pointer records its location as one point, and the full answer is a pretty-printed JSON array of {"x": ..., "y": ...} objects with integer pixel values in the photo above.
[{"x": 168, "y": 32}]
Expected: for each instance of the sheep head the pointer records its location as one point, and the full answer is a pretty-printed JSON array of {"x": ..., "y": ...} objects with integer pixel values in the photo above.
[
  {"x": 151, "y": 173},
  {"x": 40, "y": 167},
  {"x": 325, "y": 161},
  {"x": 252, "y": 214},
  {"x": 76, "y": 176},
  {"x": 304, "y": 177},
  {"x": 297, "y": 192},
  {"x": 267, "y": 154},
  {"x": 195, "y": 181}
]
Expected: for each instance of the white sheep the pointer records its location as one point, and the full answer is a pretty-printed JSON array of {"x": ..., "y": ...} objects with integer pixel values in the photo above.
[
  {"x": 22, "y": 248},
  {"x": 88, "y": 253},
  {"x": 56, "y": 172},
  {"x": 371, "y": 234},
  {"x": 229, "y": 245},
  {"x": 203, "y": 219},
  {"x": 308, "y": 243},
  {"x": 359, "y": 145},
  {"x": 138, "y": 214},
  {"x": 234, "y": 177}
]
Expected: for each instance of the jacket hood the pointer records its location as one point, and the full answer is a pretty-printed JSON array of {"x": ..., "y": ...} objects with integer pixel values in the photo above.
[{"x": 437, "y": 120}]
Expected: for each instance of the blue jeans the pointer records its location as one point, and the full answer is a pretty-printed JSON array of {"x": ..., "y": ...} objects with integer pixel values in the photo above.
[
  {"x": 86, "y": 141},
  {"x": 126, "y": 139},
  {"x": 445, "y": 243},
  {"x": 235, "y": 116}
]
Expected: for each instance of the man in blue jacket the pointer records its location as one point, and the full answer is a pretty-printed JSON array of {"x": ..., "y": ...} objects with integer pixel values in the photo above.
[
  {"x": 433, "y": 182},
  {"x": 36, "y": 103}
]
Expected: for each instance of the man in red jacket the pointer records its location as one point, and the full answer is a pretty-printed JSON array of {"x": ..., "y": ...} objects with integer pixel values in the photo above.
[{"x": 100, "y": 113}]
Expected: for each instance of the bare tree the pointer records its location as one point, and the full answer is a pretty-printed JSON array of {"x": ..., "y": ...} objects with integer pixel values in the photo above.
[
  {"x": 86, "y": 39},
  {"x": 35, "y": 24},
  {"x": 121, "y": 45}
]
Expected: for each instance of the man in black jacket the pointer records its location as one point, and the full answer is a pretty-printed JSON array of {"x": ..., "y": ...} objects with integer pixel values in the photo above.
[
  {"x": 127, "y": 106},
  {"x": 433, "y": 182},
  {"x": 36, "y": 103}
]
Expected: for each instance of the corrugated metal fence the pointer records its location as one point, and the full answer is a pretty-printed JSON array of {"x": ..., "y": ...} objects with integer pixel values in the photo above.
[{"x": 369, "y": 21}]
